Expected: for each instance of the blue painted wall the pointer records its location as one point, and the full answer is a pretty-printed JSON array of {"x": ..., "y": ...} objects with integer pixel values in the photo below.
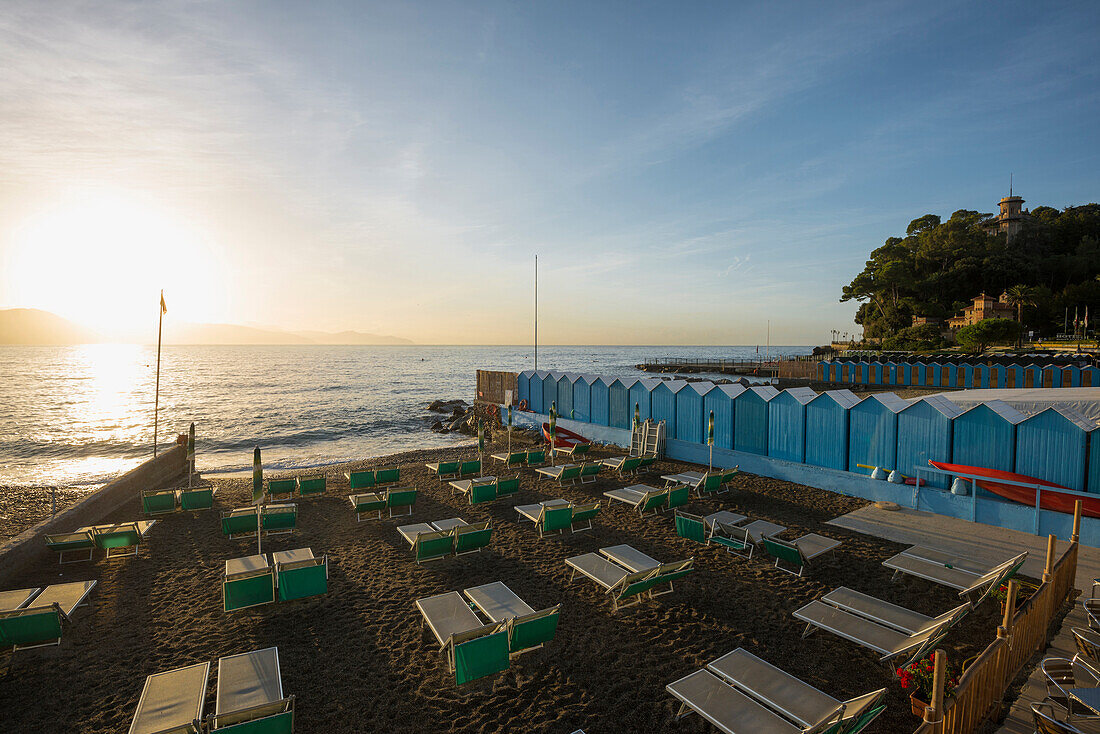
[
  {"x": 640, "y": 398},
  {"x": 601, "y": 401},
  {"x": 582, "y": 398},
  {"x": 750, "y": 424},
  {"x": 565, "y": 394},
  {"x": 691, "y": 422},
  {"x": 622, "y": 411},
  {"x": 720, "y": 400},
  {"x": 550, "y": 391},
  {"x": 924, "y": 433},
  {"x": 873, "y": 432},
  {"x": 523, "y": 386},
  {"x": 663, "y": 404},
  {"x": 984, "y": 437},
  {"x": 1053, "y": 447},
  {"x": 787, "y": 424},
  {"x": 827, "y": 429}
]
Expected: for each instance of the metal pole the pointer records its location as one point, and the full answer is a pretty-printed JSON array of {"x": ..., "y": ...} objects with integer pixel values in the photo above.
[
  {"x": 156, "y": 399},
  {"x": 536, "y": 312}
]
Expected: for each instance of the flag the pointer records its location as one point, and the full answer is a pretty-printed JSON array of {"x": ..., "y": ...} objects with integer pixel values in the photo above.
[
  {"x": 257, "y": 476},
  {"x": 163, "y": 307},
  {"x": 710, "y": 429}
]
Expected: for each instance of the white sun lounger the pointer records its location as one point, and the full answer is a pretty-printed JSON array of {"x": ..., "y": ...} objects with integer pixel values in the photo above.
[
  {"x": 16, "y": 598},
  {"x": 964, "y": 580},
  {"x": 250, "y": 687},
  {"x": 497, "y": 602},
  {"x": 66, "y": 596},
  {"x": 640, "y": 496},
  {"x": 172, "y": 701}
]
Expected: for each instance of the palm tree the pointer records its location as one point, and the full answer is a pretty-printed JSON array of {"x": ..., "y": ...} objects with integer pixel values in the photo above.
[{"x": 1020, "y": 296}]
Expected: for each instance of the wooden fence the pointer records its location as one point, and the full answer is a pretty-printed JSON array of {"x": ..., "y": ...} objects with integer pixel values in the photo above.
[
  {"x": 493, "y": 386},
  {"x": 1024, "y": 632}
]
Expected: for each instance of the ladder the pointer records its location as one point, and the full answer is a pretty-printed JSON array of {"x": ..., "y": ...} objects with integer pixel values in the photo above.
[{"x": 648, "y": 439}]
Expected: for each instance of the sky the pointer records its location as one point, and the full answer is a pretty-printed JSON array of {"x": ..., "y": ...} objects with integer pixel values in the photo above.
[{"x": 686, "y": 172}]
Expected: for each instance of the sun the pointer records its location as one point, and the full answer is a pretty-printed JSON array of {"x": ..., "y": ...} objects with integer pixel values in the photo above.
[{"x": 101, "y": 258}]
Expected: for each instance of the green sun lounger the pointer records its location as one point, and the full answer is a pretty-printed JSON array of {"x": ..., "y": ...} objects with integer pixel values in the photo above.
[
  {"x": 248, "y": 582},
  {"x": 311, "y": 485},
  {"x": 120, "y": 539},
  {"x": 798, "y": 553},
  {"x": 299, "y": 575},
  {"x": 400, "y": 498},
  {"x": 39, "y": 622},
  {"x": 575, "y": 451},
  {"x": 690, "y": 527},
  {"x": 549, "y": 516},
  {"x": 536, "y": 458},
  {"x": 624, "y": 465},
  {"x": 280, "y": 519},
  {"x": 565, "y": 473},
  {"x": 641, "y": 497},
  {"x": 516, "y": 458},
  {"x": 444, "y": 469},
  {"x": 367, "y": 502},
  {"x": 507, "y": 486},
  {"x": 17, "y": 598},
  {"x": 250, "y": 695},
  {"x": 678, "y": 496},
  {"x": 584, "y": 513},
  {"x": 281, "y": 488},
  {"x": 474, "y": 649},
  {"x": 172, "y": 702},
  {"x": 199, "y": 497},
  {"x": 81, "y": 543},
  {"x": 428, "y": 543},
  {"x": 240, "y": 522},
  {"x": 971, "y": 579},
  {"x": 469, "y": 468},
  {"x": 361, "y": 479},
  {"x": 527, "y": 629},
  {"x": 625, "y": 588},
  {"x": 589, "y": 470},
  {"x": 158, "y": 501},
  {"x": 387, "y": 476},
  {"x": 472, "y": 538},
  {"x": 477, "y": 490}
]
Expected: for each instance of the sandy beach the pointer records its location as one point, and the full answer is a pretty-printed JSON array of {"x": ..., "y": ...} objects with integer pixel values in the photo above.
[{"x": 357, "y": 659}]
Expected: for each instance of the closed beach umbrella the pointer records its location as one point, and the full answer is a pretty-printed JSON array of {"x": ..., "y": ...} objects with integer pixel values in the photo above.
[
  {"x": 257, "y": 476},
  {"x": 637, "y": 416},
  {"x": 481, "y": 445},
  {"x": 190, "y": 452},
  {"x": 509, "y": 429},
  {"x": 710, "y": 441},
  {"x": 553, "y": 428}
]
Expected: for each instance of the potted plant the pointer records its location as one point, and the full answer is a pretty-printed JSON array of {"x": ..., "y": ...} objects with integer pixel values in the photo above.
[
  {"x": 917, "y": 678},
  {"x": 1023, "y": 593}
]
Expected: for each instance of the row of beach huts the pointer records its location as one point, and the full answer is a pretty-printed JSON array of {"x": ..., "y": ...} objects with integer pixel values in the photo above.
[
  {"x": 834, "y": 429},
  {"x": 954, "y": 375}
]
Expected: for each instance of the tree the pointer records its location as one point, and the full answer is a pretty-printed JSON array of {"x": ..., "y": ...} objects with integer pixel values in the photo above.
[
  {"x": 990, "y": 331},
  {"x": 1019, "y": 296}
]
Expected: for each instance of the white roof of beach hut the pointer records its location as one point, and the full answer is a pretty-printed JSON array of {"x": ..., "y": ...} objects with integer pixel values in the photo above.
[
  {"x": 605, "y": 380},
  {"x": 702, "y": 387},
  {"x": 1001, "y": 408},
  {"x": 845, "y": 398},
  {"x": 888, "y": 400},
  {"x": 801, "y": 394},
  {"x": 1074, "y": 417},
  {"x": 940, "y": 403},
  {"x": 675, "y": 385},
  {"x": 732, "y": 390},
  {"x": 766, "y": 392},
  {"x": 590, "y": 379}
]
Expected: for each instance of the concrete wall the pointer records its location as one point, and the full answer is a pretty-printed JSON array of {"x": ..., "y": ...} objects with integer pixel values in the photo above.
[{"x": 29, "y": 548}]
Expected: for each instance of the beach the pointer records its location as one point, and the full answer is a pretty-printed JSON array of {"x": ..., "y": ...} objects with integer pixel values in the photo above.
[{"x": 357, "y": 658}]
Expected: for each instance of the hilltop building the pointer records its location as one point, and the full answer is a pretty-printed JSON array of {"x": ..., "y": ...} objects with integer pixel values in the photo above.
[
  {"x": 984, "y": 307},
  {"x": 1012, "y": 217}
]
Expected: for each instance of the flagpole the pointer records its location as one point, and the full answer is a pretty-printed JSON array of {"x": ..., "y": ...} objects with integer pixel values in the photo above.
[
  {"x": 536, "y": 312},
  {"x": 156, "y": 399}
]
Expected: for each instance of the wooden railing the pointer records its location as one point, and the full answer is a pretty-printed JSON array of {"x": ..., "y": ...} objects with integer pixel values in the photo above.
[{"x": 1023, "y": 632}]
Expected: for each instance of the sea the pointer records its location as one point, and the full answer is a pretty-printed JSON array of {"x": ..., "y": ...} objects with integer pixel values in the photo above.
[{"x": 77, "y": 416}]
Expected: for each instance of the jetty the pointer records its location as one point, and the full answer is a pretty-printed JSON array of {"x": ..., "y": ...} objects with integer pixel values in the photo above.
[{"x": 778, "y": 366}]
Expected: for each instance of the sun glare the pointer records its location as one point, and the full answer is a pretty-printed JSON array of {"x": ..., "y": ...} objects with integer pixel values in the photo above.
[{"x": 101, "y": 259}]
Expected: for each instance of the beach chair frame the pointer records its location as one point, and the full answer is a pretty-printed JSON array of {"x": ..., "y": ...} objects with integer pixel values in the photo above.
[
  {"x": 63, "y": 543},
  {"x": 733, "y": 539},
  {"x": 584, "y": 512},
  {"x": 669, "y": 572},
  {"x": 791, "y": 553},
  {"x": 472, "y": 538},
  {"x": 444, "y": 469},
  {"x": 589, "y": 471}
]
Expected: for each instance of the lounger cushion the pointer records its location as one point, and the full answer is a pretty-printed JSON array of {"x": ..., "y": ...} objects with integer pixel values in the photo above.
[
  {"x": 780, "y": 689},
  {"x": 883, "y": 640},
  {"x": 599, "y": 569},
  {"x": 246, "y": 681},
  {"x": 930, "y": 570},
  {"x": 16, "y": 598},
  {"x": 67, "y": 596},
  {"x": 630, "y": 496},
  {"x": 409, "y": 532},
  {"x": 171, "y": 700},
  {"x": 447, "y": 614},
  {"x": 726, "y": 707},
  {"x": 891, "y": 615},
  {"x": 813, "y": 545}
]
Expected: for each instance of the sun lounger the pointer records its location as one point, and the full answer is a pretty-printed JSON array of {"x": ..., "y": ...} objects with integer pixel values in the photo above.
[
  {"x": 887, "y": 629},
  {"x": 281, "y": 488},
  {"x": 564, "y": 473},
  {"x": 549, "y": 516},
  {"x": 589, "y": 471},
  {"x": 740, "y": 694},
  {"x": 527, "y": 629},
  {"x": 279, "y": 519},
  {"x": 469, "y": 468},
  {"x": 444, "y": 469},
  {"x": 690, "y": 527},
  {"x": 584, "y": 512},
  {"x": 507, "y": 486},
  {"x": 516, "y": 458},
  {"x": 479, "y": 490},
  {"x": 535, "y": 458},
  {"x": 248, "y": 582},
  {"x": 198, "y": 497},
  {"x": 361, "y": 479},
  {"x": 250, "y": 691},
  {"x": 240, "y": 522},
  {"x": 473, "y": 649},
  {"x": 970, "y": 583},
  {"x": 16, "y": 598},
  {"x": 473, "y": 537},
  {"x": 298, "y": 574},
  {"x": 366, "y": 502},
  {"x": 758, "y": 529},
  {"x": 398, "y": 498},
  {"x": 641, "y": 497},
  {"x": 799, "y": 552},
  {"x": 625, "y": 465},
  {"x": 158, "y": 501},
  {"x": 437, "y": 540},
  {"x": 311, "y": 485},
  {"x": 172, "y": 702},
  {"x": 80, "y": 542},
  {"x": 38, "y": 622},
  {"x": 626, "y": 573},
  {"x": 387, "y": 476},
  {"x": 575, "y": 451},
  {"x": 678, "y": 496},
  {"x": 122, "y": 538}
]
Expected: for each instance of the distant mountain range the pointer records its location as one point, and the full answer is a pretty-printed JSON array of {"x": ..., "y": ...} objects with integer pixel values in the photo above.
[{"x": 31, "y": 326}]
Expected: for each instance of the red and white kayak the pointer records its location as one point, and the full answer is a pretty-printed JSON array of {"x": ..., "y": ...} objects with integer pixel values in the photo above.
[
  {"x": 1055, "y": 501},
  {"x": 565, "y": 438}
]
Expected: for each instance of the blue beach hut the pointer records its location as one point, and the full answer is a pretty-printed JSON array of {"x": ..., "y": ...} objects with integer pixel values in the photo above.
[
  {"x": 523, "y": 386},
  {"x": 985, "y": 436},
  {"x": 601, "y": 401},
  {"x": 827, "y": 429},
  {"x": 1052, "y": 445},
  {"x": 917, "y": 373},
  {"x": 902, "y": 373},
  {"x": 720, "y": 400},
  {"x": 564, "y": 389},
  {"x": 924, "y": 432},
  {"x": 621, "y": 412},
  {"x": 1051, "y": 376},
  {"x": 663, "y": 403},
  {"x": 969, "y": 374},
  {"x": 1033, "y": 376},
  {"x": 981, "y": 376},
  {"x": 1013, "y": 376},
  {"x": 1090, "y": 377},
  {"x": 873, "y": 432},
  {"x": 537, "y": 391},
  {"x": 550, "y": 391},
  {"x": 750, "y": 419},
  {"x": 1071, "y": 376},
  {"x": 582, "y": 397},
  {"x": 690, "y": 418},
  {"x": 641, "y": 398},
  {"x": 787, "y": 424}
]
